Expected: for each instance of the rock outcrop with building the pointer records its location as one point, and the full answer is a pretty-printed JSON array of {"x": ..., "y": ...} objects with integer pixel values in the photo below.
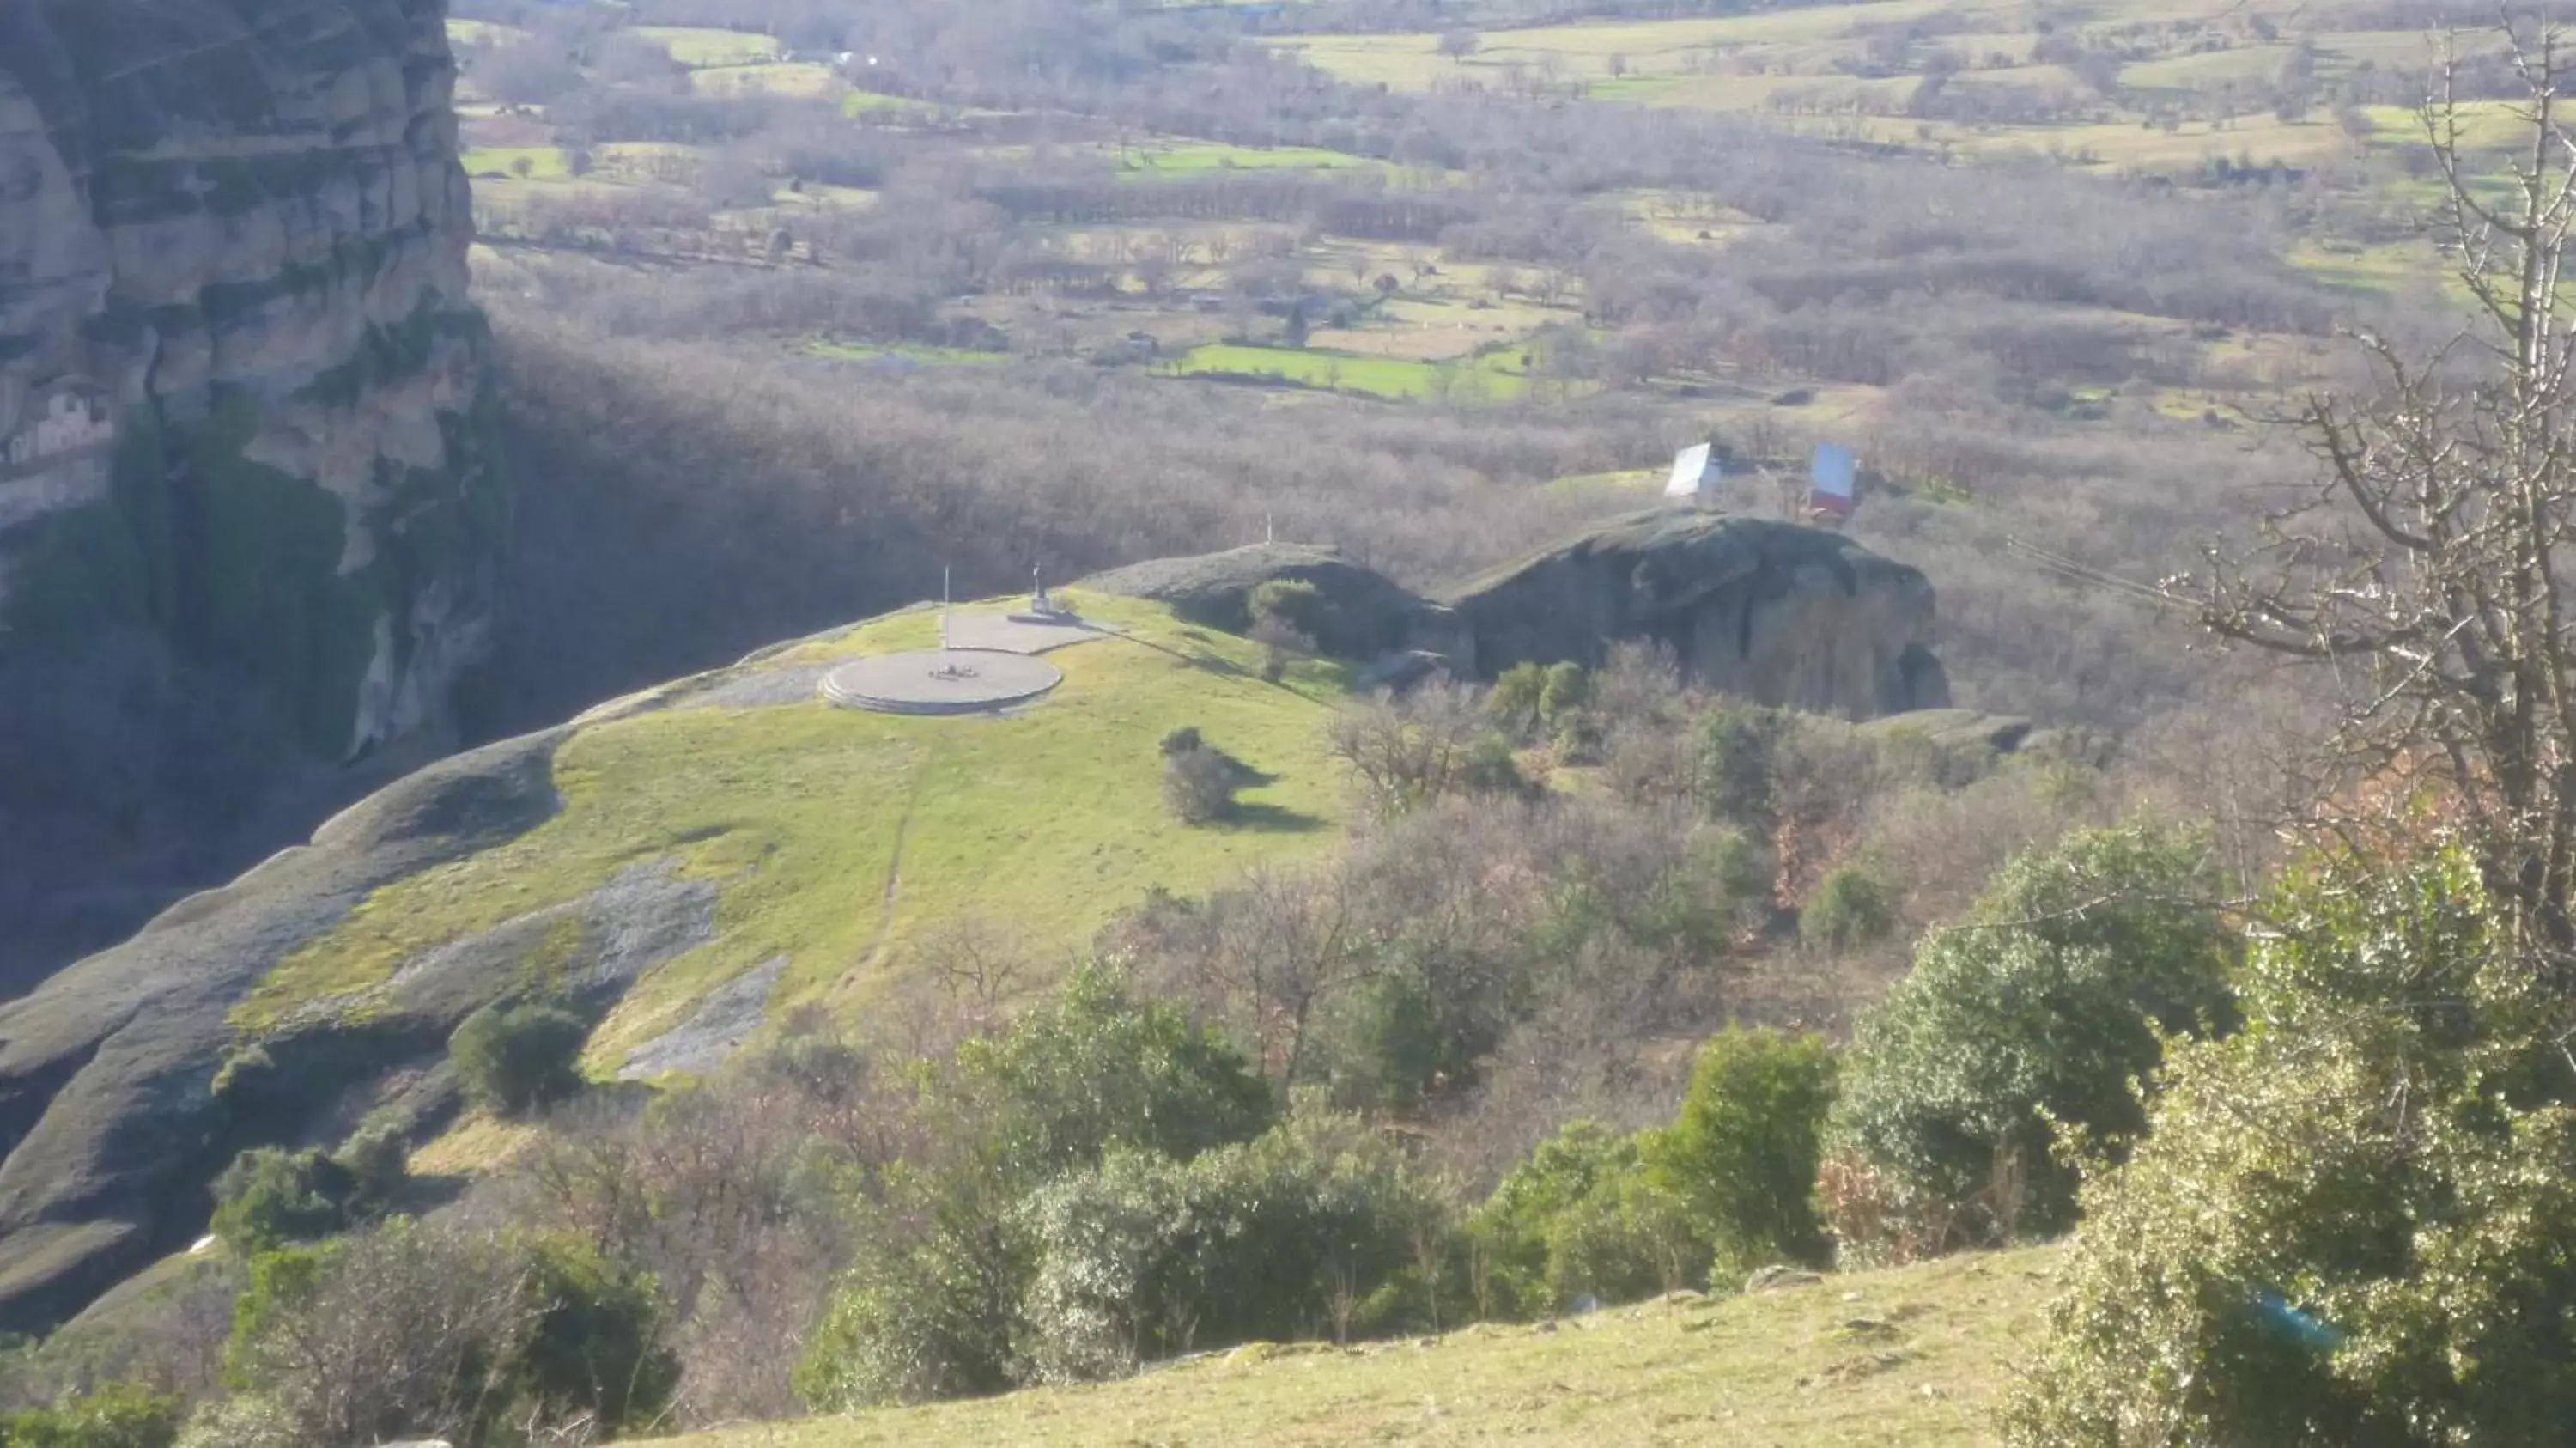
[{"x": 1765, "y": 610}]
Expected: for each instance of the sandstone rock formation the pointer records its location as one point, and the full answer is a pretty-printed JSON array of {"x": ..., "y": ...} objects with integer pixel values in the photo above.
[{"x": 241, "y": 388}]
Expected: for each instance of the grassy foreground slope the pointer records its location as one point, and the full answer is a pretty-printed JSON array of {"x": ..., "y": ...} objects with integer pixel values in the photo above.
[
  {"x": 1912, "y": 1356},
  {"x": 834, "y": 837}
]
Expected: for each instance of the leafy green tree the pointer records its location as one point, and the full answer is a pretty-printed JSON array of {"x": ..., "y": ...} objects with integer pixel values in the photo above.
[
  {"x": 928, "y": 1313},
  {"x": 2353, "y": 1222},
  {"x": 403, "y": 1331},
  {"x": 1309, "y": 1228},
  {"x": 1489, "y": 768},
  {"x": 933, "y": 1305},
  {"x": 1556, "y": 1228},
  {"x": 1627, "y": 1239},
  {"x": 1095, "y": 1068},
  {"x": 269, "y": 1197},
  {"x": 1397, "y": 1041},
  {"x": 1851, "y": 908},
  {"x": 1516, "y": 701},
  {"x": 1743, "y": 1156},
  {"x": 1737, "y": 747},
  {"x": 1567, "y": 689},
  {"x": 377, "y": 1165},
  {"x": 596, "y": 1346},
  {"x": 1199, "y": 785},
  {"x": 1294, "y": 608},
  {"x": 512, "y": 1058},
  {"x": 2035, "y": 1015},
  {"x": 414, "y": 1329}
]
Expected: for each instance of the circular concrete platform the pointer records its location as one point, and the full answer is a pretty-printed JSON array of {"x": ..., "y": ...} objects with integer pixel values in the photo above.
[{"x": 940, "y": 681}]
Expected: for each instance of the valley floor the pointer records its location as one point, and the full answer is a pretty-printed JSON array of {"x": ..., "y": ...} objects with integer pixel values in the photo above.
[{"x": 1914, "y": 1356}]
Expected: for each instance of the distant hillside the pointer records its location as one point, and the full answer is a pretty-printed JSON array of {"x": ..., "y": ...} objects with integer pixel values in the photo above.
[{"x": 1913, "y": 1356}]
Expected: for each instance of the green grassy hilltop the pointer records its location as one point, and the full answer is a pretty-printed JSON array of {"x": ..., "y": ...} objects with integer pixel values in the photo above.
[
  {"x": 1912, "y": 1356},
  {"x": 833, "y": 836}
]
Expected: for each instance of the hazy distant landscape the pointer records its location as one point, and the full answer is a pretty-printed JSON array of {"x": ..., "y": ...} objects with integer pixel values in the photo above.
[{"x": 2042, "y": 281}]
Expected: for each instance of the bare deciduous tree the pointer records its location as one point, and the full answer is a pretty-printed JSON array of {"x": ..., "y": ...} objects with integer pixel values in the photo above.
[
  {"x": 2429, "y": 566},
  {"x": 1409, "y": 751}
]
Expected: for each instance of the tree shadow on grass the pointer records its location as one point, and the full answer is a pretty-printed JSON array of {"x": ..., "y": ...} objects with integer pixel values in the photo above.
[
  {"x": 1245, "y": 776},
  {"x": 421, "y": 1195},
  {"x": 1268, "y": 819}
]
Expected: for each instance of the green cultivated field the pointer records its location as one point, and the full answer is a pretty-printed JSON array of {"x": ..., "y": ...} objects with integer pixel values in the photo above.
[
  {"x": 861, "y": 102},
  {"x": 1494, "y": 377},
  {"x": 1191, "y": 158},
  {"x": 545, "y": 163},
  {"x": 777, "y": 78},
  {"x": 1823, "y": 70},
  {"x": 1913, "y": 1357},
  {"x": 694, "y": 46},
  {"x": 483, "y": 32},
  {"x": 835, "y": 835}
]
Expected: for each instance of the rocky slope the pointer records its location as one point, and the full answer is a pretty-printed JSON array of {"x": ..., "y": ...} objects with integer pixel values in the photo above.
[{"x": 244, "y": 428}]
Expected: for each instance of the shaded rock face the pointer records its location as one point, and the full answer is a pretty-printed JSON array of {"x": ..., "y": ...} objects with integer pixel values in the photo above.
[
  {"x": 250, "y": 518},
  {"x": 128, "y": 1081},
  {"x": 110, "y": 1124},
  {"x": 242, "y": 392},
  {"x": 1774, "y": 612},
  {"x": 1770, "y": 611}
]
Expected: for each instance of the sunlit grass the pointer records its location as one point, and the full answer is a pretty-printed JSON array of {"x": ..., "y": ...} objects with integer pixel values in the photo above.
[
  {"x": 1917, "y": 1356},
  {"x": 835, "y": 836}
]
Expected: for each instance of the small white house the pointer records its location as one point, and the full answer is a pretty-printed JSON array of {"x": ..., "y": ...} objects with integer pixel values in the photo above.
[{"x": 1696, "y": 474}]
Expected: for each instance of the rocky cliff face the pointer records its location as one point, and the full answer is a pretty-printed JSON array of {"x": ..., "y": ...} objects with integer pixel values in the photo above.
[
  {"x": 242, "y": 402},
  {"x": 1766, "y": 610}
]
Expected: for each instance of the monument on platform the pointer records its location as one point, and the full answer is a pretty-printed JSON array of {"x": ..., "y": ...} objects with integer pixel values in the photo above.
[
  {"x": 986, "y": 661},
  {"x": 1042, "y": 607}
]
